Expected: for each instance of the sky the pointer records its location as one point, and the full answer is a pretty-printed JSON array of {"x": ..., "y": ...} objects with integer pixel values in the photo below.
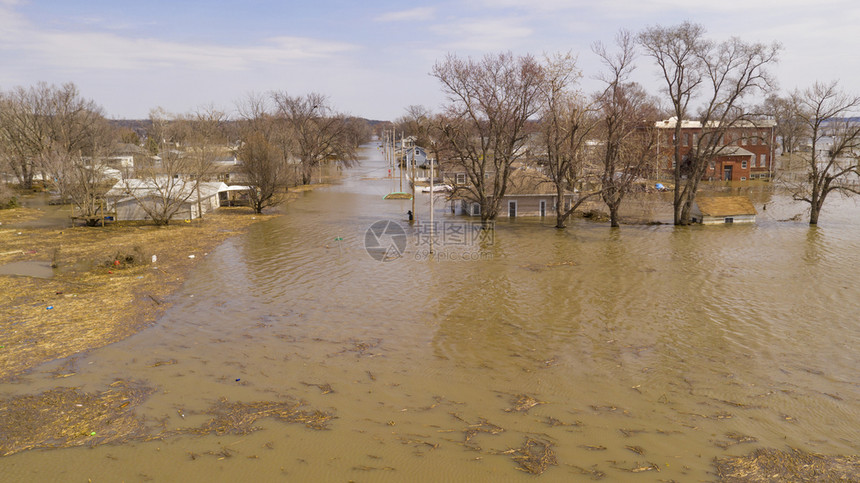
[{"x": 372, "y": 58}]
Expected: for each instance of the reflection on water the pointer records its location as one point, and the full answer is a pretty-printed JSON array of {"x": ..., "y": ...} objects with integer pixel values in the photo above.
[{"x": 646, "y": 347}]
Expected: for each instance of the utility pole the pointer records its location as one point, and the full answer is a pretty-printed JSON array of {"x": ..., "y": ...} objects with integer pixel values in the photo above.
[{"x": 432, "y": 227}]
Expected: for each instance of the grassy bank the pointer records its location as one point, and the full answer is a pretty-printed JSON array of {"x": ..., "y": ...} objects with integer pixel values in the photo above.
[{"x": 105, "y": 286}]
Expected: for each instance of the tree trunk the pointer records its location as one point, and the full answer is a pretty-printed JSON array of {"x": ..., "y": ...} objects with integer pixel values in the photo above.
[
  {"x": 816, "y": 203},
  {"x": 677, "y": 205},
  {"x": 613, "y": 215},
  {"x": 678, "y": 202},
  {"x": 686, "y": 212},
  {"x": 486, "y": 223},
  {"x": 560, "y": 212},
  {"x": 813, "y": 214}
]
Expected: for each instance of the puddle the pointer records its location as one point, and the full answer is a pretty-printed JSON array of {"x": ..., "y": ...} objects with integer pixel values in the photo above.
[{"x": 28, "y": 269}]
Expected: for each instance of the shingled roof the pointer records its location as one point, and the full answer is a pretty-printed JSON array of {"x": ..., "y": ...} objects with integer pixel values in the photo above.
[{"x": 725, "y": 206}]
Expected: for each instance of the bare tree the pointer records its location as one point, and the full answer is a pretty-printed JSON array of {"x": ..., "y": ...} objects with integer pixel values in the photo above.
[
  {"x": 74, "y": 129},
  {"x": 723, "y": 74},
  {"x": 485, "y": 126},
  {"x": 55, "y": 132},
  {"x": 266, "y": 171},
  {"x": 627, "y": 117},
  {"x": 358, "y": 132},
  {"x": 164, "y": 185},
  {"x": 566, "y": 122},
  {"x": 204, "y": 141},
  {"x": 788, "y": 128},
  {"x": 833, "y": 164},
  {"x": 89, "y": 178},
  {"x": 416, "y": 122},
  {"x": 265, "y": 153},
  {"x": 24, "y": 131},
  {"x": 318, "y": 132}
]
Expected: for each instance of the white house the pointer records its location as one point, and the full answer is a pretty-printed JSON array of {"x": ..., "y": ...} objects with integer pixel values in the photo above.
[{"x": 127, "y": 198}]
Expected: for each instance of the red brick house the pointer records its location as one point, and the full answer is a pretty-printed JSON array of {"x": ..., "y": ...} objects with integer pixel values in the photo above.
[{"x": 747, "y": 150}]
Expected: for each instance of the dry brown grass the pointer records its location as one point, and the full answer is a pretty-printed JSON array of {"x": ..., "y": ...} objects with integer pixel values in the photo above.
[
  {"x": 95, "y": 302},
  {"x": 18, "y": 215}
]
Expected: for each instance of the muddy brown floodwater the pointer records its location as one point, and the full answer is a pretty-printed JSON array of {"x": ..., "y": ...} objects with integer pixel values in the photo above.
[{"x": 632, "y": 355}]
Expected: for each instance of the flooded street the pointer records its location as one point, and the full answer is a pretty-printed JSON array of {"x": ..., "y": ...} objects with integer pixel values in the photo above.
[{"x": 638, "y": 354}]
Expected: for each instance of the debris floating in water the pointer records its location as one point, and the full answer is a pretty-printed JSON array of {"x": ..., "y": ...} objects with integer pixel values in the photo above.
[
  {"x": 765, "y": 464},
  {"x": 534, "y": 457},
  {"x": 523, "y": 402}
]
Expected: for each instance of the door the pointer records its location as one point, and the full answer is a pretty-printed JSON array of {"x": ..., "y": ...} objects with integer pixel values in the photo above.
[
  {"x": 542, "y": 208},
  {"x": 727, "y": 173},
  {"x": 512, "y": 209}
]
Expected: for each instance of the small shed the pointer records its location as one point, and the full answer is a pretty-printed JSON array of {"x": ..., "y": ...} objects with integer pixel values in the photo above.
[{"x": 723, "y": 209}]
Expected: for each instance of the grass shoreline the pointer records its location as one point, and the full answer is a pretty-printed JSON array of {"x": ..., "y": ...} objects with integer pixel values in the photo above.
[{"x": 105, "y": 287}]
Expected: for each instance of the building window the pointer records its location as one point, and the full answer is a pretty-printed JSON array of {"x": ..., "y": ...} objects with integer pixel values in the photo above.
[
  {"x": 743, "y": 178},
  {"x": 461, "y": 178},
  {"x": 755, "y": 140},
  {"x": 764, "y": 138},
  {"x": 743, "y": 165},
  {"x": 685, "y": 139},
  {"x": 476, "y": 209},
  {"x": 760, "y": 160}
]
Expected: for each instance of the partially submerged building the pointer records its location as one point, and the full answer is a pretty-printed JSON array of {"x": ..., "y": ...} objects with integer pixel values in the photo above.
[
  {"x": 745, "y": 150},
  {"x": 713, "y": 210},
  {"x": 528, "y": 193}
]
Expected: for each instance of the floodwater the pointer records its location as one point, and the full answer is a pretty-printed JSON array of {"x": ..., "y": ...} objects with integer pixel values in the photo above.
[
  {"x": 28, "y": 269},
  {"x": 644, "y": 348}
]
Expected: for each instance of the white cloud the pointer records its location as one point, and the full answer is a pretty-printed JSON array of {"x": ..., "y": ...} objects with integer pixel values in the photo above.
[
  {"x": 486, "y": 34},
  {"x": 80, "y": 50},
  {"x": 657, "y": 6},
  {"x": 376, "y": 75},
  {"x": 419, "y": 13}
]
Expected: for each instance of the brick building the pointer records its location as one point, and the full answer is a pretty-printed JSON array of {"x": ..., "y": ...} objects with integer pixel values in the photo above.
[{"x": 747, "y": 149}]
